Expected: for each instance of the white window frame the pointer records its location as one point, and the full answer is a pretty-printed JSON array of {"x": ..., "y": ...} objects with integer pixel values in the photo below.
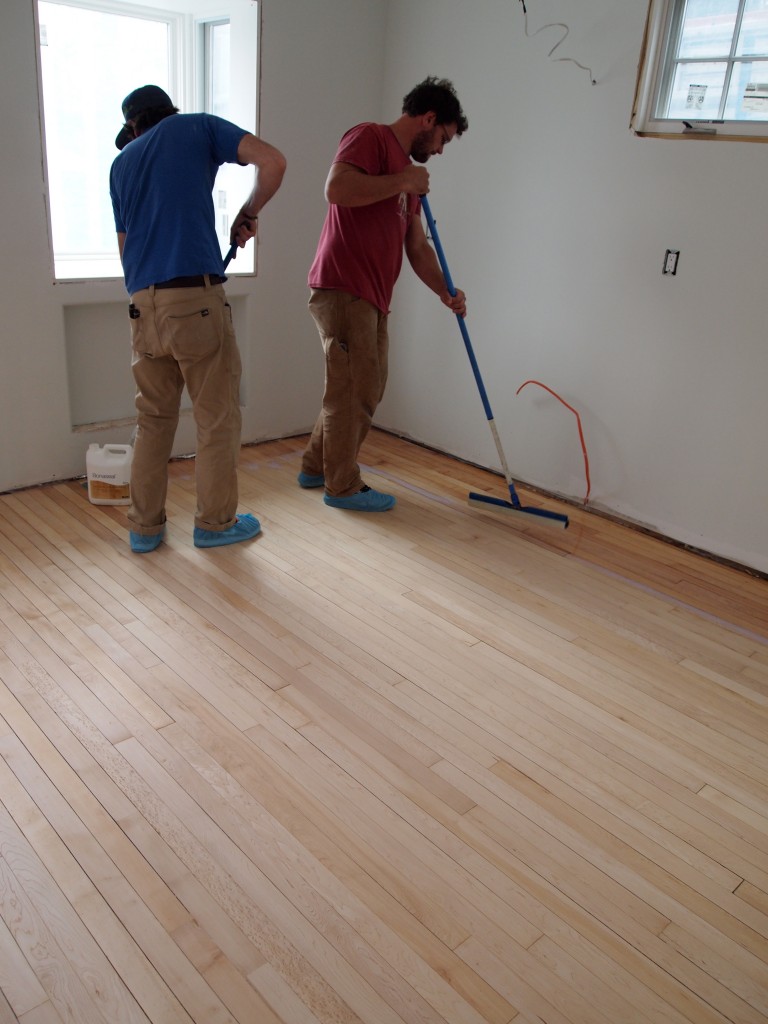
[{"x": 656, "y": 55}]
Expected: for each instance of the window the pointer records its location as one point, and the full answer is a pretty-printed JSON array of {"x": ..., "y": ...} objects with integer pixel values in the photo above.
[
  {"x": 214, "y": 51},
  {"x": 704, "y": 70},
  {"x": 215, "y": 48},
  {"x": 92, "y": 54}
]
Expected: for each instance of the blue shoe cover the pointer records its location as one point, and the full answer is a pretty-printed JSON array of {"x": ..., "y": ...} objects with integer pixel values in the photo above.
[
  {"x": 366, "y": 500},
  {"x": 141, "y": 544},
  {"x": 308, "y": 480},
  {"x": 245, "y": 527}
]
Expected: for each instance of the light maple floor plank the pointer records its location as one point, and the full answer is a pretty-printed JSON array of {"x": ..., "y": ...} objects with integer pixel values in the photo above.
[{"x": 434, "y": 766}]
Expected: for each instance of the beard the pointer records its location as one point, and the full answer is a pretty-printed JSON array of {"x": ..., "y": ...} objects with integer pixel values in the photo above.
[{"x": 421, "y": 149}]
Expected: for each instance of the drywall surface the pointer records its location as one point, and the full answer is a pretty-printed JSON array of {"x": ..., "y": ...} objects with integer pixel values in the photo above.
[{"x": 555, "y": 219}]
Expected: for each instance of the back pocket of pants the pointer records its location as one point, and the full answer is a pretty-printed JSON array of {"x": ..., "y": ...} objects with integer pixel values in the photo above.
[{"x": 195, "y": 334}]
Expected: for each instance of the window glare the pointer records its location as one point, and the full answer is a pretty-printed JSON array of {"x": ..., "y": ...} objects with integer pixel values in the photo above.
[
  {"x": 753, "y": 38},
  {"x": 218, "y": 75},
  {"x": 708, "y": 28},
  {"x": 227, "y": 195},
  {"x": 90, "y": 60}
]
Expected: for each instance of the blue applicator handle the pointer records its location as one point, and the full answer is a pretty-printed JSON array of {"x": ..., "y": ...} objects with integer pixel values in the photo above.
[
  {"x": 451, "y": 288},
  {"x": 514, "y": 504},
  {"x": 228, "y": 258},
  {"x": 470, "y": 351}
]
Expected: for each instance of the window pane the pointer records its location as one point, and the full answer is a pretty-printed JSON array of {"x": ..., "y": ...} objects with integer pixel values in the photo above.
[
  {"x": 753, "y": 38},
  {"x": 218, "y": 43},
  {"x": 748, "y": 93},
  {"x": 696, "y": 91},
  {"x": 228, "y": 192},
  {"x": 90, "y": 61},
  {"x": 707, "y": 29}
]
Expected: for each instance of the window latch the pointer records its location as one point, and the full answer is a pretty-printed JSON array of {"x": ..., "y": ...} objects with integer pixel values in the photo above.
[{"x": 700, "y": 127}]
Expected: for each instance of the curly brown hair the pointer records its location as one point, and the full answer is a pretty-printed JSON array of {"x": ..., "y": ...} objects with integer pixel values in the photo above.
[{"x": 439, "y": 96}]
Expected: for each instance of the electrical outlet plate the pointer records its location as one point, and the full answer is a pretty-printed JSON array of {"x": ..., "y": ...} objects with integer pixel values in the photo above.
[{"x": 670, "y": 261}]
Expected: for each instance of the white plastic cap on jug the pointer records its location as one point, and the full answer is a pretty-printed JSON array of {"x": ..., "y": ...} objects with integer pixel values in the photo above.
[{"x": 109, "y": 474}]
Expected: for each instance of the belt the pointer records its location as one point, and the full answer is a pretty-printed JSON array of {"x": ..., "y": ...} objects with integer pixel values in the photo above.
[{"x": 200, "y": 281}]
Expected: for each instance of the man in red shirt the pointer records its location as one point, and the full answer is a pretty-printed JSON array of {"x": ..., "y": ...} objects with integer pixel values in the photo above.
[{"x": 373, "y": 191}]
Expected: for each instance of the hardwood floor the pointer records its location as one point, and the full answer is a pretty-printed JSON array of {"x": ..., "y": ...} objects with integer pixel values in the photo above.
[{"x": 425, "y": 766}]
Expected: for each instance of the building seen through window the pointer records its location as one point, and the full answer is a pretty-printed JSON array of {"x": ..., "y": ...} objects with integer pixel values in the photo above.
[{"x": 705, "y": 61}]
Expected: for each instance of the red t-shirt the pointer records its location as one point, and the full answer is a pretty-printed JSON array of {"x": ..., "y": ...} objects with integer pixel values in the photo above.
[{"x": 361, "y": 247}]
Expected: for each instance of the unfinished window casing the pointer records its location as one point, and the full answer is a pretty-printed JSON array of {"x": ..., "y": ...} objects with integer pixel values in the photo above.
[{"x": 704, "y": 70}]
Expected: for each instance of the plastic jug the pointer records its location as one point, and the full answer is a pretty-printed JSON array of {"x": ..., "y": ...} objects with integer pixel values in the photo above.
[{"x": 109, "y": 474}]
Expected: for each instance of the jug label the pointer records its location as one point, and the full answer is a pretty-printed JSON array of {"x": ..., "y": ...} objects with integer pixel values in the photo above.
[{"x": 100, "y": 490}]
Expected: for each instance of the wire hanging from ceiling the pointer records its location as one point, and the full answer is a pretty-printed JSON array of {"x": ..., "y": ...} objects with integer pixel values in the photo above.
[{"x": 566, "y": 30}]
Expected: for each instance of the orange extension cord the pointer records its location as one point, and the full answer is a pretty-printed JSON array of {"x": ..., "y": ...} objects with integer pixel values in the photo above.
[{"x": 578, "y": 420}]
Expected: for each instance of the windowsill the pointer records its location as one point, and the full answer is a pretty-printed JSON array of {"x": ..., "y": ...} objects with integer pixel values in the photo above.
[
  {"x": 701, "y": 128},
  {"x": 98, "y": 290},
  {"x": 703, "y": 135}
]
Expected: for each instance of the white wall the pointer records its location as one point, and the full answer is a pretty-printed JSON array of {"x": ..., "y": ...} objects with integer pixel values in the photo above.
[
  {"x": 322, "y": 71},
  {"x": 555, "y": 220}
]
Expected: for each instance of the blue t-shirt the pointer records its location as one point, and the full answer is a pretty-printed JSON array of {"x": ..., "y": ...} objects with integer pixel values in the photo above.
[{"x": 161, "y": 187}]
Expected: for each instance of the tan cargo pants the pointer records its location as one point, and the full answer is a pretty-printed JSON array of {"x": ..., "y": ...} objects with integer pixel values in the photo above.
[
  {"x": 185, "y": 336},
  {"x": 356, "y": 344}
]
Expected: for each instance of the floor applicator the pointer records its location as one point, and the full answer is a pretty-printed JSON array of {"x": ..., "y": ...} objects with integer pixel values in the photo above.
[
  {"x": 513, "y": 505},
  {"x": 228, "y": 258}
]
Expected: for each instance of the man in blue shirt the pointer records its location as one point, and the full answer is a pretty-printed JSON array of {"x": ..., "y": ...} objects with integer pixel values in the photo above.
[{"x": 181, "y": 324}]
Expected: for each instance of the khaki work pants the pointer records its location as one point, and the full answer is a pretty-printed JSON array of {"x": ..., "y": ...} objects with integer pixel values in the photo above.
[
  {"x": 355, "y": 342},
  {"x": 185, "y": 336}
]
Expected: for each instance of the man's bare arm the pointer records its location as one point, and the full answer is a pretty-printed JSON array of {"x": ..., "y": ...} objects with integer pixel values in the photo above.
[{"x": 347, "y": 185}]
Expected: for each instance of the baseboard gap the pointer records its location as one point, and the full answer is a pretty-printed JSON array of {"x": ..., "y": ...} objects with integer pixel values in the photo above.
[{"x": 613, "y": 517}]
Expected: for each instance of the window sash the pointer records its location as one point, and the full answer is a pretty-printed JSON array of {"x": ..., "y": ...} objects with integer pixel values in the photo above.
[{"x": 660, "y": 75}]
